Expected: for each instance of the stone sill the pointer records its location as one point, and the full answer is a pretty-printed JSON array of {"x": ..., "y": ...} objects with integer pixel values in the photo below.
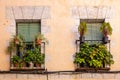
[
  {"x": 82, "y": 69},
  {"x": 27, "y": 69}
]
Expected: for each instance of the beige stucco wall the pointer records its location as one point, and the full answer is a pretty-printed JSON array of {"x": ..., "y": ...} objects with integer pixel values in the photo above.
[{"x": 61, "y": 34}]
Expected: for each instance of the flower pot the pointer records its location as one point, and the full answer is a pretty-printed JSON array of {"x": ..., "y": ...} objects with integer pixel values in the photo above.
[
  {"x": 16, "y": 64},
  {"x": 82, "y": 39},
  {"x": 105, "y": 39},
  {"x": 31, "y": 65},
  {"x": 37, "y": 65},
  {"x": 38, "y": 41},
  {"x": 16, "y": 41},
  {"x": 24, "y": 64}
]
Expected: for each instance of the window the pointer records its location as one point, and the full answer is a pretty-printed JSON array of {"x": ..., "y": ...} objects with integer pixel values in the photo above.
[
  {"x": 93, "y": 29},
  {"x": 28, "y": 30},
  {"x": 28, "y": 54}
]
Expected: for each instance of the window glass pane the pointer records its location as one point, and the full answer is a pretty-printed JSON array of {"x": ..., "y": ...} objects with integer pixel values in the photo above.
[
  {"x": 89, "y": 32},
  {"x": 28, "y": 30},
  {"x": 93, "y": 31}
]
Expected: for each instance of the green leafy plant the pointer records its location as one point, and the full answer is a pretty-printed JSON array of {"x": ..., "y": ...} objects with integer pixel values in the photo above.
[
  {"x": 106, "y": 29},
  {"x": 34, "y": 56},
  {"x": 38, "y": 56},
  {"x": 28, "y": 56},
  {"x": 16, "y": 60},
  {"x": 94, "y": 55}
]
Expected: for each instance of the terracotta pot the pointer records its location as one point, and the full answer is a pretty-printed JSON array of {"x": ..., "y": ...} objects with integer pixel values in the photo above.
[
  {"x": 38, "y": 65},
  {"x": 16, "y": 64},
  {"x": 24, "y": 64},
  {"x": 38, "y": 41},
  {"x": 17, "y": 41}
]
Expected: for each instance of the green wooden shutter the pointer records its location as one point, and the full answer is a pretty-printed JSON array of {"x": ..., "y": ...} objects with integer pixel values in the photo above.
[
  {"x": 23, "y": 30},
  {"x": 28, "y": 31},
  {"x": 34, "y": 30}
]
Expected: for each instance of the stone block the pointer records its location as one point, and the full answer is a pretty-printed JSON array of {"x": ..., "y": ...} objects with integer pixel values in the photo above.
[
  {"x": 77, "y": 22},
  {"x": 13, "y": 23},
  {"x": 74, "y": 12},
  {"x": 46, "y": 13},
  {"x": 108, "y": 76},
  {"x": 117, "y": 76},
  {"x": 2, "y": 76},
  {"x": 92, "y": 12},
  {"x": 42, "y": 77},
  {"x": 38, "y": 12},
  {"x": 110, "y": 12},
  {"x": 43, "y": 22},
  {"x": 45, "y": 29},
  {"x": 22, "y": 76},
  {"x": 28, "y": 12},
  {"x": 74, "y": 28},
  {"x": 17, "y": 12},
  {"x": 97, "y": 76},
  {"x": 33, "y": 76},
  {"x": 10, "y": 76},
  {"x": 83, "y": 12},
  {"x": 9, "y": 13},
  {"x": 86, "y": 76},
  {"x": 102, "y": 12}
]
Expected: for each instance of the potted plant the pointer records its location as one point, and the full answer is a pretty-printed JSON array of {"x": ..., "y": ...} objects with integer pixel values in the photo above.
[
  {"x": 95, "y": 56},
  {"x": 39, "y": 38},
  {"x": 38, "y": 57},
  {"x": 83, "y": 56},
  {"x": 106, "y": 29},
  {"x": 82, "y": 29},
  {"x": 39, "y": 60},
  {"x": 16, "y": 45},
  {"x": 16, "y": 60},
  {"x": 79, "y": 60},
  {"x": 27, "y": 58}
]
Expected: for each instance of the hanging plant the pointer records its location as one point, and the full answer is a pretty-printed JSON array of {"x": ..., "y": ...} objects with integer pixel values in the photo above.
[
  {"x": 17, "y": 40},
  {"x": 82, "y": 29},
  {"x": 106, "y": 29},
  {"x": 39, "y": 38}
]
